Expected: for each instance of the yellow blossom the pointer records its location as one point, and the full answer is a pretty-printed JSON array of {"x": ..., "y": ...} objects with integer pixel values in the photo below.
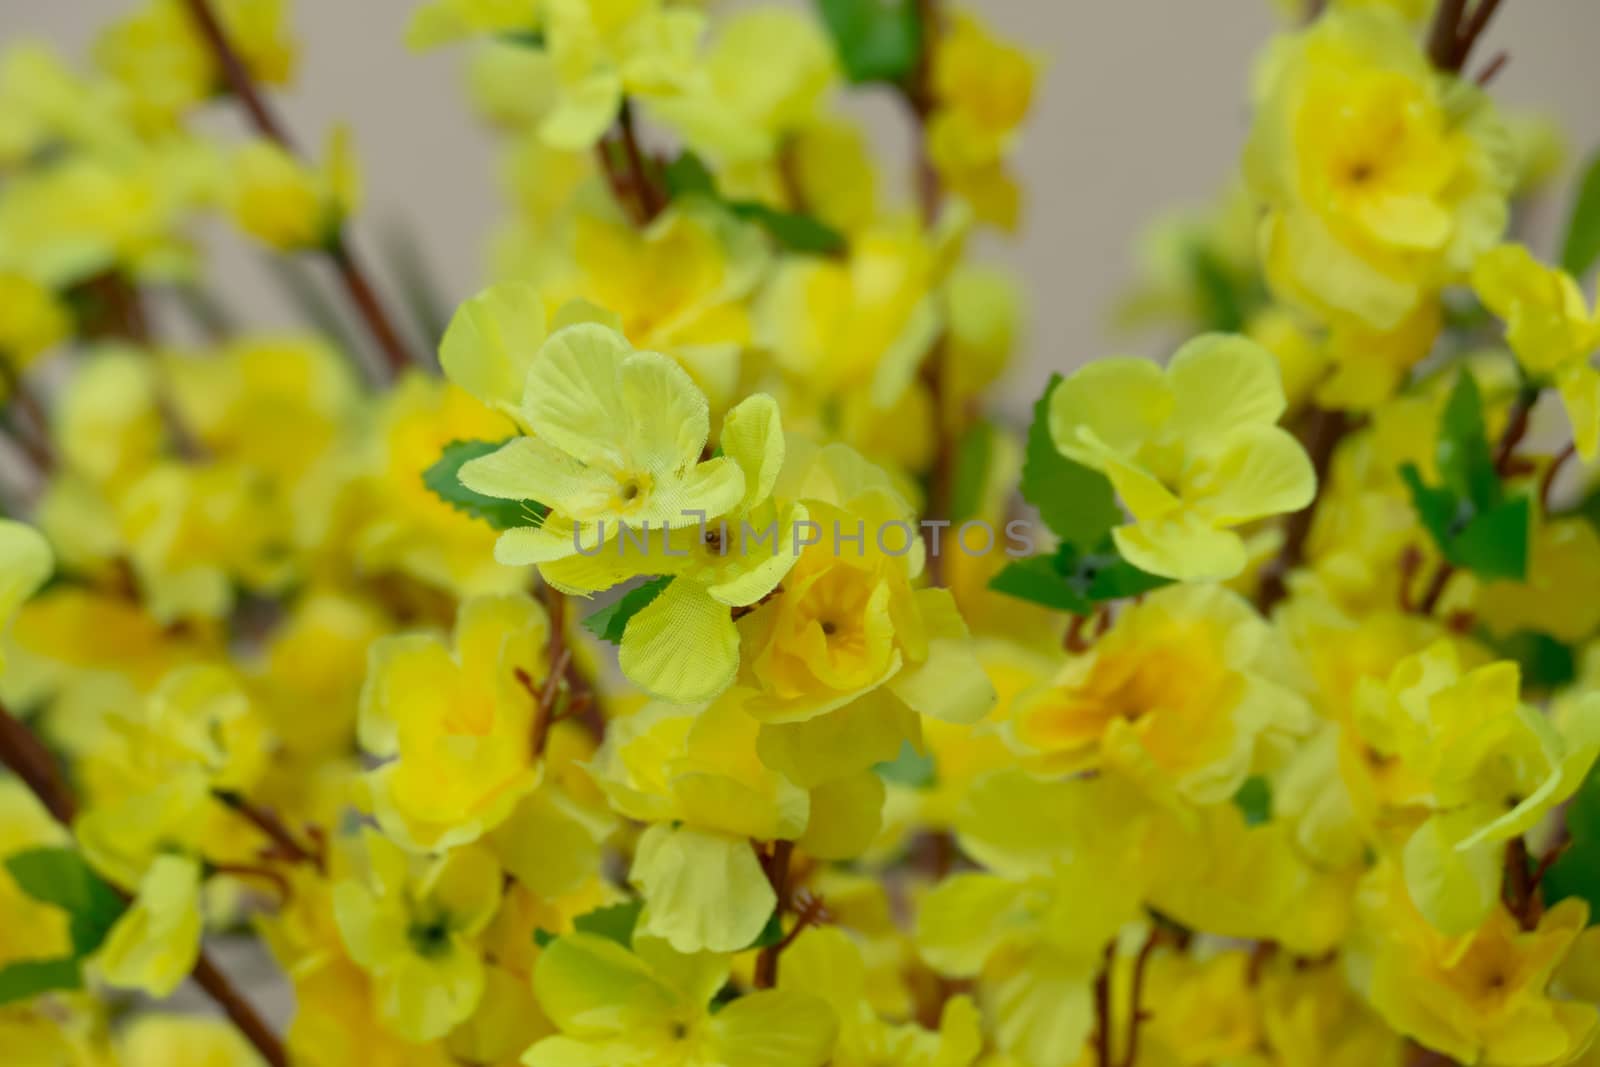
[
  {"x": 1193, "y": 451},
  {"x": 290, "y": 205}
]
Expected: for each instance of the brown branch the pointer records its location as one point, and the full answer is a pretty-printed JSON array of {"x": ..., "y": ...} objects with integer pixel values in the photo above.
[
  {"x": 1520, "y": 891},
  {"x": 32, "y": 425},
  {"x": 1325, "y": 429},
  {"x": 1455, "y": 32},
  {"x": 1548, "y": 481},
  {"x": 652, "y": 198},
  {"x": 285, "y": 845},
  {"x": 374, "y": 315},
  {"x": 776, "y": 865},
  {"x": 1136, "y": 1014},
  {"x": 1102, "y": 1008},
  {"x": 21, "y": 751},
  {"x": 1492, "y": 70}
]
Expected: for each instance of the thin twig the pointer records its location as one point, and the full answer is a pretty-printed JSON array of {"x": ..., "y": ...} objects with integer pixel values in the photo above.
[
  {"x": 1548, "y": 481},
  {"x": 1102, "y": 1008},
  {"x": 652, "y": 200},
  {"x": 776, "y": 864},
  {"x": 1492, "y": 69},
  {"x": 1445, "y": 36},
  {"x": 1325, "y": 429},
  {"x": 380, "y": 324},
  {"x": 285, "y": 845},
  {"x": 1136, "y": 1014}
]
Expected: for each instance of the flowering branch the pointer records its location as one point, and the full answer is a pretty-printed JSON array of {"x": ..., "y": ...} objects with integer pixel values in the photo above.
[
  {"x": 30, "y": 761},
  {"x": 776, "y": 865},
  {"x": 397, "y": 356},
  {"x": 1456, "y": 32},
  {"x": 285, "y": 845}
]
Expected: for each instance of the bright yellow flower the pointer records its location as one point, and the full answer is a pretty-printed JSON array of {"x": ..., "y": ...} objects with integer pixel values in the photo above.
[
  {"x": 1312, "y": 1018},
  {"x": 410, "y": 923},
  {"x": 25, "y": 562},
  {"x": 983, "y": 88},
  {"x": 1561, "y": 594},
  {"x": 1480, "y": 997},
  {"x": 1033, "y": 928},
  {"x": 1461, "y": 767},
  {"x": 648, "y": 1008},
  {"x": 1192, "y": 451},
  {"x": 154, "y": 945},
  {"x": 826, "y": 963},
  {"x": 167, "y": 68},
  {"x": 32, "y": 321},
  {"x": 606, "y": 50},
  {"x": 696, "y": 778},
  {"x": 1383, "y": 180},
  {"x": 184, "y": 1041},
  {"x": 1551, "y": 328},
  {"x": 31, "y": 930},
  {"x": 1184, "y": 695},
  {"x": 456, "y": 726},
  {"x": 766, "y": 74},
  {"x": 400, "y": 524},
  {"x": 290, "y": 205},
  {"x": 587, "y": 384}
]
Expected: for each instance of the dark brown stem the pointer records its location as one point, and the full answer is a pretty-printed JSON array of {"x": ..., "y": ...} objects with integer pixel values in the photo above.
[
  {"x": 32, "y": 425},
  {"x": 233, "y": 1004},
  {"x": 279, "y": 883},
  {"x": 1441, "y": 579},
  {"x": 284, "y": 843},
  {"x": 1426, "y": 1057},
  {"x": 236, "y": 74},
  {"x": 1492, "y": 70},
  {"x": 396, "y": 355},
  {"x": 1325, "y": 429},
  {"x": 1136, "y": 1014},
  {"x": 1102, "y": 1009},
  {"x": 1548, "y": 481},
  {"x": 1473, "y": 31},
  {"x": 920, "y": 97},
  {"x": 776, "y": 864},
  {"x": 31, "y": 762},
  {"x": 652, "y": 199},
  {"x": 1445, "y": 36},
  {"x": 1314, "y": 9},
  {"x": 1516, "y": 430},
  {"x": 1521, "y": 891}
]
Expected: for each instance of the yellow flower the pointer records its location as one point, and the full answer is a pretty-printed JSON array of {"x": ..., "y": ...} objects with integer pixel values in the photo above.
[
  {"x": 1033, "y": 928},
  {"x": 1312, "y": 1018},
  {"x": 983, "y": 88},
  {"x": 1184, "y": 695},
  {"x": 290, "y": 205},
  {"x": 1206, "y": 1010},
  {"x": 167, "y": 68},
  {"x": 606, "y": 50},
  {"x": 1551, "y": 328},
  {"x": 1561, "y": 594},
  {"x": 587, "y": 384},
  {"x": 457, "y": 728},
  {"x": 410, "y": 923},
  {"x": 400, "y": 524},
  {"x": 648, "y": 1008},
  {"x": 1382, "y": 179},
  {"x": 1463, "y": 766},
  {"x": 31, "y": 322},
  {"x": 1480, "y": 997},
  {"x": 866, "y": 322},
  {"x": 154, "y": 945},
  {"x": 25, "y": 562},
  {"x": 766, "y": 74},
  {"x": 184, "y": 1041},
  {"x": 696, "y": 778},
  {"x": 826, "y": 964},
  {"x": 683, "y": 646},
  {"x": 1193, "y": 451}
]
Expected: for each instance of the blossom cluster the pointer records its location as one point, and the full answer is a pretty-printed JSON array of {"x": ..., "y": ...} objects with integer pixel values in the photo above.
[{"x": 609, "y": 672}]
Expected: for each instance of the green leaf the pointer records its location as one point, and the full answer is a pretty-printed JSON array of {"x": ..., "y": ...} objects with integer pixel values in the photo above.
[
  {"x": 1078, "y": 504},
  {"x": 793, "y": 231},
  {"x": 1582, "y": 246},
  {"x": 543, "y": 937},
  {"x": 1254, "y": 799},
  {"x": 1037, "y": 581},
  {"x": 688, "y": 175},
  {"x": 770, "y": 934},
  {"x": 1462, "y": 451},
  {"x": 615, "y": 922},
  {"x": 1105, "y": 575},
  {"x": 910, "y": 768},
  {"x": 1224, "y": 301},
  {"x": 59, "y": 876},
  {"x": 1546, "y": 663},
  {"x": 610, "y": 621},
  {"x": 1495, "y": 543},
  {"x": 443, "y": 479},
  {"x": 877, "y": 40},
  {"x": 1577, "y": 872},
  {"x": 31, "y": 978},
  {"x": 1437, "y": 508},
  {"x": 973, "y": 457}
]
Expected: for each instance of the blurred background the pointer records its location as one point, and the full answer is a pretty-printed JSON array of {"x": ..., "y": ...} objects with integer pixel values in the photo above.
[{"x": 1142, "y": 110}]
